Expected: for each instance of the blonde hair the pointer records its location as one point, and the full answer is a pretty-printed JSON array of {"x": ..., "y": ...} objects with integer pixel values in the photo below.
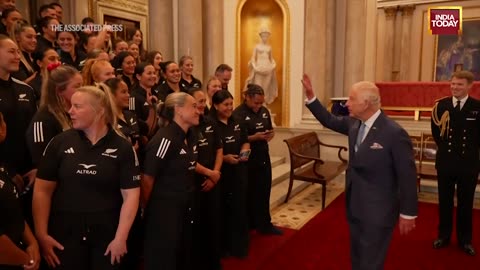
[
  {"x": 173, "y": 100},
  {"x": 103, "y": 98},
  {"x": 54, "y": 83},
  {"x": 183, "y": 59},
  {"x": 19, "y": 27},
  {"x": 91, "y": 69}
]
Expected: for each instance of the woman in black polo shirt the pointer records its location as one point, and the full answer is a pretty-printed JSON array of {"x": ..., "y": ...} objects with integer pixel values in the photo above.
[
  {"x": 143, "y": 101},
  {"x": 26, "y": 39},
  {"x": 233, "y": 183},
  {"x": 172, "y": 81},
  {"x": 87, "y": 189},
  {"x": 46, "y": 61},
  {"x": 155, "y": 58},
  {"x": 127, "y": 123},
  {"x": 209, "y": 164},
  {"x": 168, "y": 187},
  {"x": 69, "y": 53},
  {"x": 52, "y": 117},
  {"x": 127, "y": 120},
  {"x": 256, "y": 119},
  {"x": 186, "y": 67},
  {"x": 13, "y": 228},
  {"x": 17, "y": 104},
  {"x": 124, "y": 64}
]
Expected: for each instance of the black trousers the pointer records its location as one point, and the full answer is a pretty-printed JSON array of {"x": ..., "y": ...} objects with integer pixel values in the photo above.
[
  {"x": 133, "y": 258},
  {"x": 206, "y": 233},
  {"x": 258, "y": 195},
  {"x": 466, "y": 183},
  {"x": 85, "y": 238},
  {"x": 169, "y": 224},
  {"x": 368, "y": 245},
  {"x": 233, "y": 198}
]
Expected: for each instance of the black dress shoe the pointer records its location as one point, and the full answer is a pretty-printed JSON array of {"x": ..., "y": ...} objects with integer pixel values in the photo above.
[
  {"x": 440, "y": 243},
  {"x": 468, "y": 248}
]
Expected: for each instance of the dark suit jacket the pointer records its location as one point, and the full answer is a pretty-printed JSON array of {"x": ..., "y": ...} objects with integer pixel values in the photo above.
[
  {"x": 458, "y": 148},
  {"x": 381, "y": 175}
]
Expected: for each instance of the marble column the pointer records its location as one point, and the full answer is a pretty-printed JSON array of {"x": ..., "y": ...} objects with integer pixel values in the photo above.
[
  {"x": 190, "y": 34},
  {"x": 330, "y": 49},
  {"x": 160, "y": 19},
  {"x": 212, "y": 37},
  {"x": 390, "y": 14},
  {"x": 405, "y": 43},
  {"x": 355, "y": 37},
  {"x": 73, "y": 11},
  {"x": 315, "y": 53}
]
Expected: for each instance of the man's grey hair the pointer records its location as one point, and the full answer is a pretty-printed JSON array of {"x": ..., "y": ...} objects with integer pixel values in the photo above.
[{"x": 368, "y": 91}]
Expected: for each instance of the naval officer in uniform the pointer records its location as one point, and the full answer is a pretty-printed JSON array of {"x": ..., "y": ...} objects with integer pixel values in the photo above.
[{"x": 456, "y": 129}]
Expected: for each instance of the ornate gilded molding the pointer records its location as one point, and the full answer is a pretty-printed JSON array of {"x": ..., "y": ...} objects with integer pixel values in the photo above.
[
  {"x": 390, "y": 12},
  {"x": 135, "y": 6},
  {"x": 407, "y": 10},
  {"x": 394, "y": 3}
]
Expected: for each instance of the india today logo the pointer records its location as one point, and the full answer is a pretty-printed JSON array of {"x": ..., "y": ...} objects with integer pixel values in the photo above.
[{"x": 445, "y": 20}]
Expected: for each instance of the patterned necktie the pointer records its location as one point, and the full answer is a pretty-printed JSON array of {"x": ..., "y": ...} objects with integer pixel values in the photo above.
[
  {"x": 361, "y": 132},
  {"x": 457, "y": 108}
]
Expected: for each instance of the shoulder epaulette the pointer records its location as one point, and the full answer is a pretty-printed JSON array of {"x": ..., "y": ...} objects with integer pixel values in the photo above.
[{"x": 439, "y": 99}]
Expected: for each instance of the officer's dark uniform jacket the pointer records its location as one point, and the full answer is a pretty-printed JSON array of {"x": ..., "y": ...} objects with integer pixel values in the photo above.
[
  {"x": 17, "y": 104},
  {"x": 457, "y": 135},
  {"x": 42, "y": 129},
  {"x": 253, "y": 123}
]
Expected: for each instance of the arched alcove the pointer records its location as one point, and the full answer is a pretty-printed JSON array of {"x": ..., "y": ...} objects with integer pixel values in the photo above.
[{"x": 252, "y": 17}]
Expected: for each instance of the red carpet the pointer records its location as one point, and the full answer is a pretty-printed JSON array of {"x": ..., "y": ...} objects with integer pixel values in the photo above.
[
  {"x": 323, "y": 243},
  {"x": 261, "y": 247}
]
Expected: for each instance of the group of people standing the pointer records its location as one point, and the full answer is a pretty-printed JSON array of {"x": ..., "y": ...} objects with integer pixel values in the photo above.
[{"x": 109, "y": 163}]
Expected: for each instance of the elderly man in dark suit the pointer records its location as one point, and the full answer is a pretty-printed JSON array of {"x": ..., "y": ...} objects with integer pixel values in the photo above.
[
  {"x": 456, "y": 129},
  {"x": 381, "y": 176}
]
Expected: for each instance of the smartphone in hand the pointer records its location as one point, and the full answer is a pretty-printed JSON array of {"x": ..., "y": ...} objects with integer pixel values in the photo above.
[{"x": 245, "y": 154}]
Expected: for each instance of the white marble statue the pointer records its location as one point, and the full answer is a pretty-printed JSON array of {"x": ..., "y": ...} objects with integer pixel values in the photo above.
[{"x": 262, "y": 68}]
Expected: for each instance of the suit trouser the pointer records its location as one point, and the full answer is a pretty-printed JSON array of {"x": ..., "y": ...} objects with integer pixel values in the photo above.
[
  {"x": 368, "y": 245},
  {"x": 259, "y": 187},
  {"x": 466, "y": 183}
]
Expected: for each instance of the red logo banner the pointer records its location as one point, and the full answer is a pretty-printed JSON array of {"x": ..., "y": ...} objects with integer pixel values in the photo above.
[{"x": 445, "y": 20}]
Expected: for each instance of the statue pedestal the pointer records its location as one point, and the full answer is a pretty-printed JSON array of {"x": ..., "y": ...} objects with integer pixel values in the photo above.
[{"x": 272, "y": 116}]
